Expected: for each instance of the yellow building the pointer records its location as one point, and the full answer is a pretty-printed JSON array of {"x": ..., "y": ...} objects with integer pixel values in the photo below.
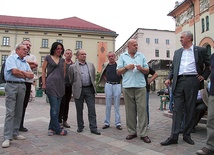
[
  {"x": 74, "y": 33},
  {"x": 196, "y": 16}
]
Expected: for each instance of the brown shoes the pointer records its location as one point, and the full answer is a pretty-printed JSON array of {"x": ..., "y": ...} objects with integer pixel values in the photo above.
[
  {"x": 205, "y": 151},
  {"x": 129, "y": 137},
  {"x": 146, "y": 139}
]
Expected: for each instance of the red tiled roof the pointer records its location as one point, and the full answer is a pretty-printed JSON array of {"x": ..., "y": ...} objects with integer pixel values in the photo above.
[{"x": 66, "y": 23}]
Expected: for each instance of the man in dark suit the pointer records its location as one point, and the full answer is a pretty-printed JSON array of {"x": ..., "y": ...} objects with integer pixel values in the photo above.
[
  {"x": 190, "y": 67},
  {"x": 82, "y": 77}
]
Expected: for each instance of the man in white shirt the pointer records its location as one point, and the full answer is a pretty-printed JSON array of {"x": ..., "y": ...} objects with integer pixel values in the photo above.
[
  {"x": 190, "y": 67},
  {"x": 32, "y": 61}
]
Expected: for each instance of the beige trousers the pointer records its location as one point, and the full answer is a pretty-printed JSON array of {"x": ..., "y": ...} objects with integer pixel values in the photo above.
[{"x": 135, "y": 105}]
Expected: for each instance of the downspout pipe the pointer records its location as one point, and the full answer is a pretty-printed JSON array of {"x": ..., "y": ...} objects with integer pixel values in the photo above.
[{"x": 194, "y": 21}]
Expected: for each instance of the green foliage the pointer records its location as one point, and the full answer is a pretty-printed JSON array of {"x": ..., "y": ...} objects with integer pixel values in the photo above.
[
  {"x": 2, "y": 93},
  {"x": 98, "y": 88}
]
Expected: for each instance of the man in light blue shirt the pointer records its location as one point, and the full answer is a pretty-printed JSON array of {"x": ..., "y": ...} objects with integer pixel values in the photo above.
[
  {"x": 132, "y": 65},
  {"x": 17, "y": 70}
]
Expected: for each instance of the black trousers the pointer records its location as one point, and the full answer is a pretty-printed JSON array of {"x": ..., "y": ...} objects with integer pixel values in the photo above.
[
  {"x": 64, "y": 106},
  {"x": 185, "y": 96},
  {"x": 88, "y": 95},
  {"x": 26, "y": 100},
  {"x": 200, "y": 110}
]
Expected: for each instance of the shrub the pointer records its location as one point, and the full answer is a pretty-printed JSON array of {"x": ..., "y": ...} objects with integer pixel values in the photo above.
[
  {"x": 2, "y": 93},
  {"x": 98, "y": 88}
]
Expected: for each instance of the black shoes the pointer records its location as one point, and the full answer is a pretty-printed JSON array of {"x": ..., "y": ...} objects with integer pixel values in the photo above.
[
  {"x": 23, "y": 129},
  {"x": 65, "y": 124},
  {"x": 169, "y": 141},
  {"x": 189, "y": 141},
  {"x": 79, "y": 130},
  {"x": 193, "y": 130},
  {"x": 105, "y": 126},
  {"x": 96, "y": 132}
]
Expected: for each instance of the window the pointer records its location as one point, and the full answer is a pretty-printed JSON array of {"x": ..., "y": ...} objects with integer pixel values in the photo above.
[
  {"x": 42, "y": 59},
  {"x": 147, "y": 40},
  {"x": 44, "y": 43},
  {"x": 202, "y": 25},
  {"x": 60, "y": 41},
  {"x": 207, "y": 23},
  {"x": 167, "y": 53},
  {"x": 3, "y": 58},
  {"x": 156, "y": 53},
  {"x": 6, "y": 41},
  {"x": 167, "y": 41},
  {"x": 156, "y": 41},
  {"x": 78, "y": 44}
]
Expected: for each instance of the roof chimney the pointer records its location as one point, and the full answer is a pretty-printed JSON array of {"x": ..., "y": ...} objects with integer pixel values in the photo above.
[{"x": 176, "y": 4}]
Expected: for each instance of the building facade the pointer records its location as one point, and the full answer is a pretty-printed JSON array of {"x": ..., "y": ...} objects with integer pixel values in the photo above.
[
  {"x": 74, "y": 33},
  {"x": 158, "y": 46},
  {"x": 196, "y": 16}
]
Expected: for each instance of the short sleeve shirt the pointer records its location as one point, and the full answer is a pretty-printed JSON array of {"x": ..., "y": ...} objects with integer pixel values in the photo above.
[{"x": 132, "y": 78}]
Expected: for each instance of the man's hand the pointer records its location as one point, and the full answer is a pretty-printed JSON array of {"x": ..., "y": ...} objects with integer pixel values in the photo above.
[
  {"x": 32, "y": 64},
  {"x": 130, "y": 67},
  {"x": 167, "y": 82},
  {"x": 200, "y": 78}
]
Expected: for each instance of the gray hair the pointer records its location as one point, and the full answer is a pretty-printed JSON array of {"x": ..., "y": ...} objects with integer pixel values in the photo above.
[
  {"x": 19, "y": 45},
  {"x": 188, "y": 34},
  {"x": 77, "y": 53}
]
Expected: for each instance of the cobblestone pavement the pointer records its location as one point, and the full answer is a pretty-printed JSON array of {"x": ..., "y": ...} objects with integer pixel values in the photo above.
[{"x": 111, "y": 142}]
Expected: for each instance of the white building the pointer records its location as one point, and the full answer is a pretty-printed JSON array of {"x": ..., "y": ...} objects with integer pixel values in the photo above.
[
  {"x": 154, "y": 44},
  {"x": 158, "y": 46}
]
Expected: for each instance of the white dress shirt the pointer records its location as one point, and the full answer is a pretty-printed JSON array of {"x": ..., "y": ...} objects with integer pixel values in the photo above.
[{"x": 187, "y": 65}]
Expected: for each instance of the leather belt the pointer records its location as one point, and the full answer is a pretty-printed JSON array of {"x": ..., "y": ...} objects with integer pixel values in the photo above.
[
  {"x": 183, "y": 75},
  {"x": 113, "y": 83},
  {"x": 18, "y": 82},
  {"x": 86, "y": 86}
]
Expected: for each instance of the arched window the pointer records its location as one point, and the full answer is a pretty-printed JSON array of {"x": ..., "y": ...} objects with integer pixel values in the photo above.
[
  {"x": 207, "y": 23},
  {"x": 202, "y": 25},
  {"x": 208, "y": 47}
]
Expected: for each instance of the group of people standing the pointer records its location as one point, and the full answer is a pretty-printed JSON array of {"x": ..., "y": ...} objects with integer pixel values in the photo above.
[
  {"x": 190, "y": 67},
  {"x": 61, "y": 77}
]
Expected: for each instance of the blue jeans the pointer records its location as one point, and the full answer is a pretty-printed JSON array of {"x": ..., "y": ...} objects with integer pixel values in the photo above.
[
  {"x": 113, "y": 91},
  {"x": 54, "y": 113}
]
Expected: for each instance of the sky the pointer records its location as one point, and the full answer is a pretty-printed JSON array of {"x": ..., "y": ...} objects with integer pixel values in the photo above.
[{"x": 122, "y": 16}]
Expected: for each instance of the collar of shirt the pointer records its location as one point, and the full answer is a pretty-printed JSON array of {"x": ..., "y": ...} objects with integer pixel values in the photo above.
[
  {"x": 191, "y": 48},
  {"x": 82, "y": 64},
  {"x": 17, "y": 57},
  {"x": 135, "y": 55}
]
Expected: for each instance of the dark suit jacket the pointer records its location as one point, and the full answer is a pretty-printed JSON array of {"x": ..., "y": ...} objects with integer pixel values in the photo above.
[{"x": 202, "y": 65}]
